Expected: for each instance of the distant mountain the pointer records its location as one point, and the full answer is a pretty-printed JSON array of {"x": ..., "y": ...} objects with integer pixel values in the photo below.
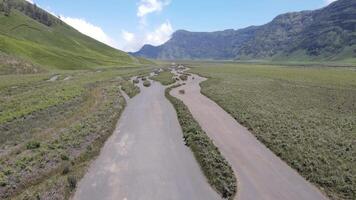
[
  {"x": 325, "y": 34},
  {"x": 33, "y": 35}
]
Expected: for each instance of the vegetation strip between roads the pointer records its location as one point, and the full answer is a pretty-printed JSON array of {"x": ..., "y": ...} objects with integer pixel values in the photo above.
[{"x": 215, "y": 167}]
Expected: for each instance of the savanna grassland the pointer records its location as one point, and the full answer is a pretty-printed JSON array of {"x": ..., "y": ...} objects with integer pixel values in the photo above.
[
  {"x": 305, "y": 115},
  {"x": 53, "y": 124}
]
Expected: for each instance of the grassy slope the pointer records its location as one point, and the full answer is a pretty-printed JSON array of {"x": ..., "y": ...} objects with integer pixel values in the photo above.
[
  {"x": 58, "y": 46},
  {"x": 305, "y": 115}
]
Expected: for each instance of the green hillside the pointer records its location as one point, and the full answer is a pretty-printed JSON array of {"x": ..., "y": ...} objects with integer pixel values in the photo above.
[{"x": 32, "y": 34}]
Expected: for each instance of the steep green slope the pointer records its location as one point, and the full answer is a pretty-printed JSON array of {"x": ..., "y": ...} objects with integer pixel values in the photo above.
[{"x": 56, "y": 45}]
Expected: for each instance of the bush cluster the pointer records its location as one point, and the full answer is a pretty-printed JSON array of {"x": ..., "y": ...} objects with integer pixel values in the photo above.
[
  {"x": 136, "y": 81},
  {"x": 183, "y": 77},
  {"x": 130, "y": 88},
  {"x": 147, "y": 83}
]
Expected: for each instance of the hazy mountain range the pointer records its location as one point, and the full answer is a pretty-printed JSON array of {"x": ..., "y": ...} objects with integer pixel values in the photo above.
[{"x": 324, "y": 34}]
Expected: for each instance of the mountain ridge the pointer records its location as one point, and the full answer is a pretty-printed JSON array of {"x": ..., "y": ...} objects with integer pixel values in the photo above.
[{"x": 323, "y": 34}]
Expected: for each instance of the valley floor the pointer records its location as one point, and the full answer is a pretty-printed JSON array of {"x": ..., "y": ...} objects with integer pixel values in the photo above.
[{"x": 52, "y": 125}]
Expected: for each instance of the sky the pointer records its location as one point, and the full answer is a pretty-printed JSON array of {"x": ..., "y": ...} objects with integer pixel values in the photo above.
[{"x": 129, "y": 24}]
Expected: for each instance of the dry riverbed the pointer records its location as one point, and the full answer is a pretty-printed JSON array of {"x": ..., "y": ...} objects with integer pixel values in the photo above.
[
  {"x": 146, "y": 157},
  {"x": 261, "y": 174}
]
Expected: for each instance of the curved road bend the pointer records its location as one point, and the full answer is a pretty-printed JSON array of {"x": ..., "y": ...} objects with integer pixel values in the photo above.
[
  {"x": 145, "y": 158},
  {"x": 261, "y": 174}
]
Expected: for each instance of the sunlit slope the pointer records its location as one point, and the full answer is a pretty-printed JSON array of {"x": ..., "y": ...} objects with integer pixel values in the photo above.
[{"x": 57, "y": 46}]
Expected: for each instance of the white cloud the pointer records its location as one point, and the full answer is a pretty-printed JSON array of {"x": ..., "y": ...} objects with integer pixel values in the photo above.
[
  {"x": 84, "y": 27},
  {"x": 146, "y": 7},
  {"x": 159, "y": 36},
  {"x": 89, "y": 29},
  {"x": 329, "y": 1},
  {"x": 131, "y": 42},
  {"x": 129, "y": 37}
]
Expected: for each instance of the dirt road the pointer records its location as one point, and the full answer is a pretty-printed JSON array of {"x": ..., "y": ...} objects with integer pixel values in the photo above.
[
  {"x": 261, "y": 175},
  {"x": 146, "y": 159}
]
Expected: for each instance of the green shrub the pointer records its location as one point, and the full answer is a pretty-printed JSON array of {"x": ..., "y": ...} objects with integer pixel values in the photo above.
[
  {"x": 136, "y": 81},
  {"x": 3, "y": 181},
  {"x": 147, "y": 83},
  {"x": 33, "y": 145},
  {"x": 66, "y": 169},
  {"x": 183, "y": 77},
  {"x": 64, "y": 156},
  {"x": 72, "y": 182},
  {"x": 7, "y": 171}
]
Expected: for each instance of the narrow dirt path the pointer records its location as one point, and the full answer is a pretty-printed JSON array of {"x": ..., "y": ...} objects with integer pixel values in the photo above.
[
  {"x": 146, "y": 159},
  {"x": 261, "y": 174}
]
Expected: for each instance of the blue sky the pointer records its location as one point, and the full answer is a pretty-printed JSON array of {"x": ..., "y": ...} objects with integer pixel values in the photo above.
[{"x": 128, "y": 24}]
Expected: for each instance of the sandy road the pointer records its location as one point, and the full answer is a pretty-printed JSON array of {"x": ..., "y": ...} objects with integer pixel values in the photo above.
[
  {"x": 261, "y": 175},
  {"x": 146, "y": 159}
]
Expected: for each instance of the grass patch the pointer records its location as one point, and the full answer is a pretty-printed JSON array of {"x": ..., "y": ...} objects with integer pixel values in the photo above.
[
  {"x": 165, "y": 78},
  {"x": 130, "y": 88},
  {"x": 33, "y": 145},
  {"x": 215, "y": 167},
  {"x": 13, "y": 65},
  {"x": 304, "y": 115}
]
